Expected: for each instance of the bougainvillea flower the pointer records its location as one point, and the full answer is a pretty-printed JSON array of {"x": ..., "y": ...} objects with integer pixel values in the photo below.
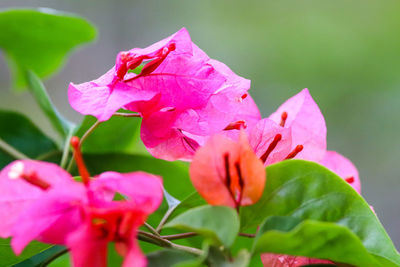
[
  {"x": 342, "y": 167},
  {"x": 277, "y": 260},
  {"x": 228, "y": 173},
  {"x": 182, "y": 95},
  {"x": 302, "y": 115},
  {"x": 55, "y": 209}
]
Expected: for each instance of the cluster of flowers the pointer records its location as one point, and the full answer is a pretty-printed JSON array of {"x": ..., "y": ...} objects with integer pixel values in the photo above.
[{"x": 193, "y": 108}]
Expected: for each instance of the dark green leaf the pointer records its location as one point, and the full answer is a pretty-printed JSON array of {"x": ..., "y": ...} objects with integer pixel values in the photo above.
[
  {"x": 7, "y": 256},
  {"x": 45, "y": 256},
  {"x": 60, "y": 124},
  {"x": 20, "y": 133},
  {"x": 308, "y": 191},
  {"x": 118, "y": 134},
  {"x": 219, "y": 224},
  {"x": 39, "y": 40},
  {"x": 175, "y": 174},
  {"x": 325, "y": 240}
]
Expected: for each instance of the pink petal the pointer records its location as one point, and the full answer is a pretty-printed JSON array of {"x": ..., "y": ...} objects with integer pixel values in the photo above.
[
  {"x": 16, "y": 194},
  {"x": 342, "y": 167},
  {"x": 143, "y": 189},
  {"x": 262, "y": 135},
  {"x": 86, "y": 248},
  {"x": 134, "y": 257},
  {"x": 51, "y": 218},
  {"x": 307, "y": 124}
]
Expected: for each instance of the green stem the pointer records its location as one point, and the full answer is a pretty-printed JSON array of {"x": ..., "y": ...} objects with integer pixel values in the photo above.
[
  {"x": 164, "y": 219},
  {"x": 179, "y": 236},
  {"x": 64, "y": 157},
  {"x": 83, "y": 138},
  {"x": 12, "y": 151},
  {"x": 159, "y": 241},
  {"x": 151, "y": 229}
]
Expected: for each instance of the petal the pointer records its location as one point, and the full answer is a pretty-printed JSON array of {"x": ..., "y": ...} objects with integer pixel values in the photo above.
[
  {"x": 262, "y": 135},
  {"x": 143, "y": 189},
  {"x": 208, "y": 171},
  {"x": 134, "y": 257},
  {"x": 50, "y": 218},
  {"x": 86, "y": 248},
  {"x": 307, "y": 124},
  {"x": 342, "y": 167},
  {"x": 16, "y": 194}
]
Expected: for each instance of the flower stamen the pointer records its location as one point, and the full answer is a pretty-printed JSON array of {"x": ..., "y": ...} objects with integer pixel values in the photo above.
[
  {"x": 283, "y": 118},
  {"x": 75, "y": 143},
  {"x": 295, "y": 151},
  {"x": 271, "y": 147}
]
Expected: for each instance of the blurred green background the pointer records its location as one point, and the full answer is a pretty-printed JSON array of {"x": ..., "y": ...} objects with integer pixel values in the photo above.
[{"x": 346, "y": 52}]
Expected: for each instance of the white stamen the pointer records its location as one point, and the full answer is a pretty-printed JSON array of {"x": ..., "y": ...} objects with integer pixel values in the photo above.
[{"x": 16, "y": 170}]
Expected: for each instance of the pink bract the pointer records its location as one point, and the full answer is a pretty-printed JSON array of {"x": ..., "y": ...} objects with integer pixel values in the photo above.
[
  {"x": 182, "y": 95},
  {"x": 277, "y": 260},
  {"x": 55, "y": 209}
]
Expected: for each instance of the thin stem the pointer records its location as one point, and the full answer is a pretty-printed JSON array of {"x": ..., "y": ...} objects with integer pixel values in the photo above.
[
  {"x": 54, "y": 257},
  {"x": 83, "y": 138},
  {"x": 158, "y": 240},
  {"x": 151, "y": 229},
  {"x": 12, "y": 151},
  {"x": 164, "y": 220},
  {"x": 89, "y": 131},
  {"x": 64, "y": 157},
  {"x": 179, "y": 236},
  {"x": 121, "y": 114},
  {"x": 247, "y": 235}
]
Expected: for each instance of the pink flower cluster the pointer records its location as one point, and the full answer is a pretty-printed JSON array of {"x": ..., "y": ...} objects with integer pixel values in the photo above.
[{"x": 188, "y": 102}]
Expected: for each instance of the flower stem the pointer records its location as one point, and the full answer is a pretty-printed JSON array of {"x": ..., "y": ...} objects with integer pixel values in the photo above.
[
  {"x": 162, "y": 242},
  {"x": 179, "y": 236},
  {"x": 12, "y": 151},
  {"x": 164, "y": 219},
  {"x": 151, "y": 229},
  {"x": 83, "y": 138},
  {"x": 122, "y": 114},
  {"x": 65, "y": 153}
]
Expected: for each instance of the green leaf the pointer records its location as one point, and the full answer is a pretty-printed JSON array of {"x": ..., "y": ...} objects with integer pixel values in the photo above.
[
  {"x": 7, "y": 256},
  {"x": 218, "y": 224},
  {"x": 308, "y": 191},
  {"x": 175, "y": 174},
  {"x": 19, "y": 132},
  {"x": 39, "y": 40},
  {"x": 118, "y": 134},
  {"x": 40, "y": 258},
  {"x": 325, "y": 240},
  {"x": 168, "y": 258},
  {"x": 191, "y": 201},
  {"x": 60, "y": 124}
]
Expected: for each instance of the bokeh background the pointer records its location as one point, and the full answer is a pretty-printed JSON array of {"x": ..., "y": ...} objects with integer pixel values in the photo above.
[{"x": 346, "y": 52}]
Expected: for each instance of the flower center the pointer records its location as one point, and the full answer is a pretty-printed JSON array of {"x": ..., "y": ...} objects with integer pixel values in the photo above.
[
  {"x": 277, "y": 139},
  {"x": 18, "y": 171},
  {"x": 234, "y": 186},
  {"x": 130, "y": 62}
]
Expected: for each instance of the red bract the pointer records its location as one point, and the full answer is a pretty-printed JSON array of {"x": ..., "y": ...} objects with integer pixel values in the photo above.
[
  {"x": 178, "y": 93},
  {"x": 41, "y": 201},
  {"x": 228, "y": 173}
]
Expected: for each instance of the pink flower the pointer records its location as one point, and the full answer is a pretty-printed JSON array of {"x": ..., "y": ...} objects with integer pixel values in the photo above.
[
  {"x": 41, "y": 201},
  {"x": 228, "y": 173},
  {"x": 182, "y": 95},
  {"x": 297, "y": 130}
]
